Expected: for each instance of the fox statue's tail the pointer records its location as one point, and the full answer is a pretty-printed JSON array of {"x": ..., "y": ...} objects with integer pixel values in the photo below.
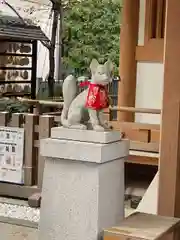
[{"x": 69, "y": 90}]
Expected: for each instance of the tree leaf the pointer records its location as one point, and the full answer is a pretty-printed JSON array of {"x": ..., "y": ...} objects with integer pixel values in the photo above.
[{"x": 94, "y": 29}]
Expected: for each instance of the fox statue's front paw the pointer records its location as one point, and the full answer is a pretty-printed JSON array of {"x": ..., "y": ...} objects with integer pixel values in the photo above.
[
  {"x": 107, "y": 126},
  {"x": 78, "y": 126},
  {"x": 98, "y": 128},
  {"x": 82, "y": 127}
]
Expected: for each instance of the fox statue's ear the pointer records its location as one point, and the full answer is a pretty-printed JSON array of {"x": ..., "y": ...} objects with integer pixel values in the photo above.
[
  {"x": 93, "y": 66},
  {"x": 109, "y": 66}
]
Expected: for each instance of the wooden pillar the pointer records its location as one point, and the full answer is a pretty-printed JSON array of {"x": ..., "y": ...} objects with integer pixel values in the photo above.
[
  {"x": 127, "y": 65},
  {"x": 169, "y": 179}
]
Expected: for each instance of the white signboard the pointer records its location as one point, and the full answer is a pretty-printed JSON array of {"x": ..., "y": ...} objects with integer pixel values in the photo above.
[{"x": 11, "y": 154}]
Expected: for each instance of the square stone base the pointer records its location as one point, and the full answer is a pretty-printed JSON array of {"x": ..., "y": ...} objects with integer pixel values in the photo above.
[
  {"x": 80, "y": 199},
  {"x": 83, "y": 184}
]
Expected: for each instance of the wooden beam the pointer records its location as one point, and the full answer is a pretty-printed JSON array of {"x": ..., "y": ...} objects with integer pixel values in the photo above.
[
  {"x": 19, "y": 191},
  {"x": 145, "y": 158},
  {"x": 60, "y": 104},
  {"x": 136, "y": 110},
  {"x": 133, "y": 125},
  {"x": 142, "y": 226},
  {"x": 169, "y": 177},
  {"x": 128, "y": 65},
  {"x": 152, "y": 51},
  {"x": 147, "y": 147}
]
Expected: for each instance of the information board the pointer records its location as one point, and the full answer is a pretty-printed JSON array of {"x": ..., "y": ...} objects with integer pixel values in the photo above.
[{"x": 11, "y": 154}]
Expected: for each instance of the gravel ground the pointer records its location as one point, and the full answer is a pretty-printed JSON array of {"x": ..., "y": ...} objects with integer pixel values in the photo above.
[
  {"x": 19, "y": 212},
  {"x": 24, "y": 212}
]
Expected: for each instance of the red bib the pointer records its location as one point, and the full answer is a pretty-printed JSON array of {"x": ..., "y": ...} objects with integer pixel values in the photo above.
[{"x": 97, "y": 98}]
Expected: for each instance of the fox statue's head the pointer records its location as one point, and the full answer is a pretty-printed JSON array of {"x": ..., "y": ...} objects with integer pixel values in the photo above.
[{"x": 101, "y": 73}]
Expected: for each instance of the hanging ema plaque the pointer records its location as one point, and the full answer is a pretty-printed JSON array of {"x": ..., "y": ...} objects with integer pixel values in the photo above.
[{"x": 11, "y": 154}]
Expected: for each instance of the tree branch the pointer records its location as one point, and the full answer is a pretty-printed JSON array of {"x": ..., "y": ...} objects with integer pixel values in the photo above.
[
  {"x": 14, "y": 10},
  {"x": 51, "y": 54}
]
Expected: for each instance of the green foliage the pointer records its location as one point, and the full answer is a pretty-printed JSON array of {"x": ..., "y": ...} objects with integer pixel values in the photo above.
[
  {"x": 92, "y": 30},
  {"x": 13, "y": 106}
]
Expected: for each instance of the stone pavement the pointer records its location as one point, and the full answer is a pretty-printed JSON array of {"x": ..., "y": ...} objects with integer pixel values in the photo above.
[
  {"x": 13, "y": 232},
  {"x": 19, "y": 229}
]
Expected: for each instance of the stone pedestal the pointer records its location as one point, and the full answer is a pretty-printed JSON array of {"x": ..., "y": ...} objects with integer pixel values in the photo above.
[{"x": 83, "y": 184}]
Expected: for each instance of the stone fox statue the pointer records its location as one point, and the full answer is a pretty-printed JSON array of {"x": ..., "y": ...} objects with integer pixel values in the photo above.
[{"x": 88, "y": 105}]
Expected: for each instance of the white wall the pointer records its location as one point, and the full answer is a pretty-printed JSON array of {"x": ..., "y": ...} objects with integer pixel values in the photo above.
[
  {"x": 39, "y": 12},
  {"x": 149, "y": 87},
  {"x": 149, "y": 90}
]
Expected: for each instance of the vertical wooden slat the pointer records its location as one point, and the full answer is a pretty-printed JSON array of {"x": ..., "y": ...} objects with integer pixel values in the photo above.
[
  {"x": 148, "y": 21},
  {"x": 45, "y": 125},
  {"x": 154, "y": 19},
  {"x": 107, "y": 112},
  {"x": 37, "y": 109},
  {"x": 16, "y": 120},
  {"x": 159, "y": 18},
  {"x": 4, "y": 116},
  {"x": 163, "y": 18},
  {"x": 30, "y": 121},
  {"x": 34, "y": 68}
]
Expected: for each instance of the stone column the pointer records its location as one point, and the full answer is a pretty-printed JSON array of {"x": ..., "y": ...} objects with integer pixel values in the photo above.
[{"x": 83, "y": 184}]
